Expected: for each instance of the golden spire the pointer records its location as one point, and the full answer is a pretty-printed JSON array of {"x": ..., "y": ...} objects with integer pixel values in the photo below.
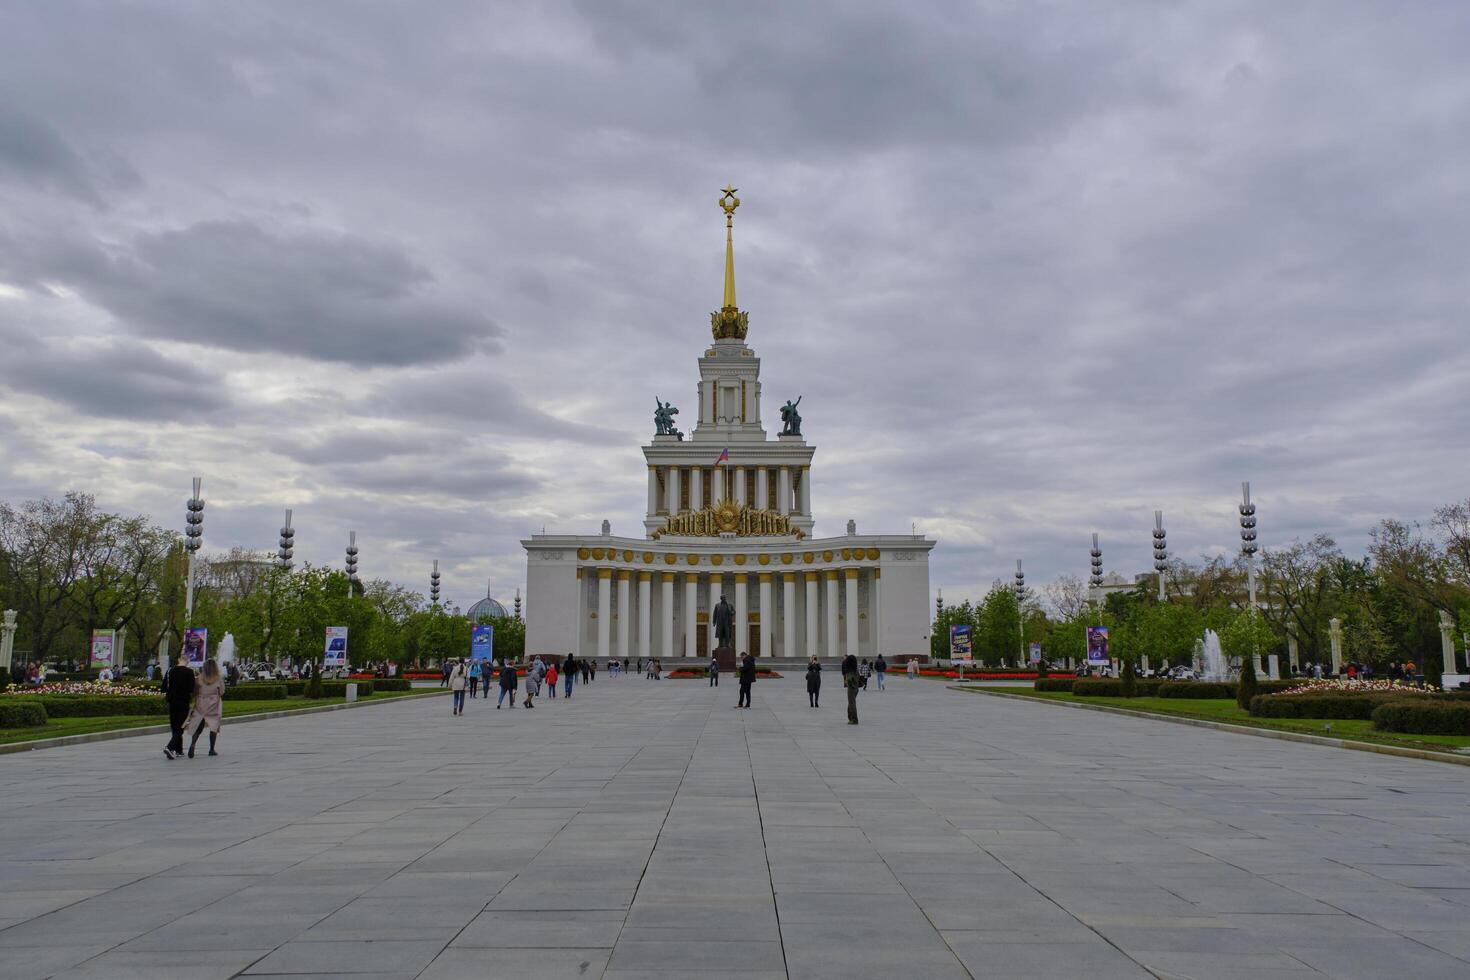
[
  {"x": 729, "y": 202},
  {"x": 729, "y": 323}
]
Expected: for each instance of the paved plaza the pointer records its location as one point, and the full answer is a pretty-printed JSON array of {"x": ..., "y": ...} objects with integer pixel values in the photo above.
[{"x": 646, "y": 829}]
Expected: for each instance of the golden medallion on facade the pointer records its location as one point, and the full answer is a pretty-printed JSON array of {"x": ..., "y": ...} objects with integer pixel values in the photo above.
[{"x": 584, "y": 554}]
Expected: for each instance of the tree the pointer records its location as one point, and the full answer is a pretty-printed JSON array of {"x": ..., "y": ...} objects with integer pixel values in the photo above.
[
  {"x": 1162, "y": 632},
  {"x": 999, "y": 634},
  {"x": 510, "y": 636},
  {"x": 1297, "y": 591},
  {"x": 42, "y": 561},
  {"x": 1246, "y": 636},
  {"x": 962, "y": 615}
]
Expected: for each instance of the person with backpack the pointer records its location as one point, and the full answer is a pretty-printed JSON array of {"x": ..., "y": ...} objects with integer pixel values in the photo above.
[
  {"x": 533, "y": 682},
  {"x": 850, "y": 680},
  {"x": 508, "y": 683},
  {"x": 747, "y": 678}
]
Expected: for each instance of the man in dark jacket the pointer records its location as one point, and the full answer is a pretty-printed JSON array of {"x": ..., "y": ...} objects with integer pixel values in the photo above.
[
  {"x": 850, "y": 680},
  {"x": 747, "y": 678},
  {"x": 508, "y": 684},
  {"x": 178, "y": 690}
]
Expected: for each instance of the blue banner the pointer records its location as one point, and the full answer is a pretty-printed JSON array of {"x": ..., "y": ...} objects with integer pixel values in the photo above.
[
  {"x": 959, "y": 642},
  {"x": 482, "y": 643}
]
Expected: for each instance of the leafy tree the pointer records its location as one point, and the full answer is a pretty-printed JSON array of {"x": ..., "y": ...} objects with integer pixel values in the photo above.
[
  {"x": 963, "y": 614},
  {"x": 999, "y": 634},
  {"x": 1246, "y": 687}
]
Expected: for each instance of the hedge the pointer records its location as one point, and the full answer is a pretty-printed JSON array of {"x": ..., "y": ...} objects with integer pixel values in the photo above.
[
  {"x": 22, "y": 713},
  {"x": 397, "y": 684},
  {"x": 338, "y": 689},
  {"x": 1415, "y": 717},
  {"x": 1358, "y": 706},
  {"x": 1111, "y": 687},
  {"x": 1054, "y": 683},
  {"x": 256, "y": 692},
  {"x": 99, "y": 705}
]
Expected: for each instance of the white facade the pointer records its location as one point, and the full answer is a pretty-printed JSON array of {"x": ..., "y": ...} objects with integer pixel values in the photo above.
[{"x": 741, "y": 529}]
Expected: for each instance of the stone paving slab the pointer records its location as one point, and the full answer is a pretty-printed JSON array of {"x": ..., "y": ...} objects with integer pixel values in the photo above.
[{"x": 646, "y": 829}]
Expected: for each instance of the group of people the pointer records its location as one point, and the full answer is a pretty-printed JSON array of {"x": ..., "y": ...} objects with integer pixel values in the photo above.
[
  {"x": 467, "y": 677},
  {"x": 194, "y": 703}
]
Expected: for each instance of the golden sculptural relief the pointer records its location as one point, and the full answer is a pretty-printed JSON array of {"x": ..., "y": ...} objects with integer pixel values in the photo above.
[{"x": 728, "y": 517}]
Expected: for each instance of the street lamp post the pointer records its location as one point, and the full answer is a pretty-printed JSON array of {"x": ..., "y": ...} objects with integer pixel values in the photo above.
[
  {"x": 287, "y": 544},
  {"x": 193, "y": 538},
  {"x": 1161, "y": 550},
  {"x": 434, "y": 584},
  {"x": 1248, "y": 548},
  {"x": 1094, "y": 585}
]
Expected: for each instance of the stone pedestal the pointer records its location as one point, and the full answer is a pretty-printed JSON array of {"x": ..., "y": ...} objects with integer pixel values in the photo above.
[
  {"x": 726, "y": 657},
  {"x": 1273, "y": 666}
]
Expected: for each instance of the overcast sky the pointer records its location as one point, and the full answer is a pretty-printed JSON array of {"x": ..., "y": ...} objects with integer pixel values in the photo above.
[{"x": 420, "y": 269}]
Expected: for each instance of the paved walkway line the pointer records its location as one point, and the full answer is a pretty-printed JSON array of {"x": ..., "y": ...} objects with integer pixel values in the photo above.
[
  {"x": 107, "y": 736},
  {"x": 1339, "y": 743}
]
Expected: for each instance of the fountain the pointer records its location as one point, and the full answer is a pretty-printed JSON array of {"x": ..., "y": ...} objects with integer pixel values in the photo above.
[
  {"x": 226, "y": 649},
  {"x": 1209, "y": 661}
]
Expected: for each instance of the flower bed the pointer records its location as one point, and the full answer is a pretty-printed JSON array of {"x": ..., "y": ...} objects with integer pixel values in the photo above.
[
  {"x": 86, "y": 688},
  {"x": 1345, "y": 686}
]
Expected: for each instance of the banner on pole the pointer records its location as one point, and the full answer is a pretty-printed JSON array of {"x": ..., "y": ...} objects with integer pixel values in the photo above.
[
  {"x": 102, "y": 648},
  {"x": 196, "y": 645},
  {"x": 335, "y": 654},
  {"x": 1097, "y": 646},
  {"x": 1035, "y": 651},
  {"x": 482, "y": 643},
  {"x": 960, "y": 647}
]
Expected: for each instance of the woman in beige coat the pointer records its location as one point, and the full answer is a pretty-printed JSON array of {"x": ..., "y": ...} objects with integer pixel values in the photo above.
[{"x": 208, "y": 706}]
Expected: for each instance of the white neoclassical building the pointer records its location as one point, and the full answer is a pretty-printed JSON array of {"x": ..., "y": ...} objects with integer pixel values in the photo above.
[{"x": 729, "y": 512}]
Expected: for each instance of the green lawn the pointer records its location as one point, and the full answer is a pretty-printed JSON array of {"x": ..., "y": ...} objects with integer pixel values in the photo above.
[
  {"x": 1224, "y": 710},
  {"x": 233, "y": 709}
]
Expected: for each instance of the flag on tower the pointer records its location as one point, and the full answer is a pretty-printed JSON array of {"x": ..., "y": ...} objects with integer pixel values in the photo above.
[{"x": 724, "y": 456}]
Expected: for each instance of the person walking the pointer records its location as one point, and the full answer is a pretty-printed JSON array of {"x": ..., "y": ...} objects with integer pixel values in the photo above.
[
  {"x": 850, "y": 680},
  {"x": 474, "y": 677},
  {"x": 208, "y": 706},
  {"x": 508, "y": 683},
  {"x": 658, "y": 668},
  {"x": 714, "y": 671},
  {"x": 913, "y": 667},
  {"x": 747, "y": 678},
  {"x": 457, "y": 683},
  {"x": 487, "y": 673},
  {"x": 813, "y": 682},
  {"x": 551, "y": 676},
  {"x": 592, "y": 669},
  {"x": 446, "y": 670},
  {"x": 533, "y": 682},
  {"x": 178, "y": 691},
  {"x": 880, "y": 668},
  {"x": 569, "y": 672},
  {"x": 586, "y": 670},
  {"x": 865, "y": 670}
]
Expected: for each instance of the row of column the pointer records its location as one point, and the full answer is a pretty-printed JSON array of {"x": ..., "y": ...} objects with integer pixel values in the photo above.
[
  {"x": 847, "y": 597},
  {"x": 793, "y": 490}
]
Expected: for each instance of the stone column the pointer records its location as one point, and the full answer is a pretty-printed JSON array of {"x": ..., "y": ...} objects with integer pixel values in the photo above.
[
  {"x": 1446, "y": 641},
  {"x": 1334, "y": 632},
  {"x": 717, "y": 482},
  {"x": 645, "y": 614},
  {"x": 783, "y": 490},
  {"x": 625, "y": 611},
  {"x": 767, "y": 613},
  {"x": 652, "y": 491},
  {"x": 788, "y": 614},
  {"x": 813, "y": 645},
  {"x": 666, "y": 599},
  {"x": 1291, "y": 656},
  {"x": 742, "y": 612},
  {"x": 673, "y": 488},
  {"x": 691, "y": 614},
  {"x": 875, "y": 609},
  {"x": 604, "y": 613},
  {"x": 762, "y": 486},
  {"x": 7, "y": 642},
  {"x": 716, "y": 583},
  {"x": 696, "y": 488},
  {"x": 739, "y": 474},
  {"x": 832, "y": 649},
  {"x": 851, "y": 613},
  {"x": 806, "y": 492}
]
